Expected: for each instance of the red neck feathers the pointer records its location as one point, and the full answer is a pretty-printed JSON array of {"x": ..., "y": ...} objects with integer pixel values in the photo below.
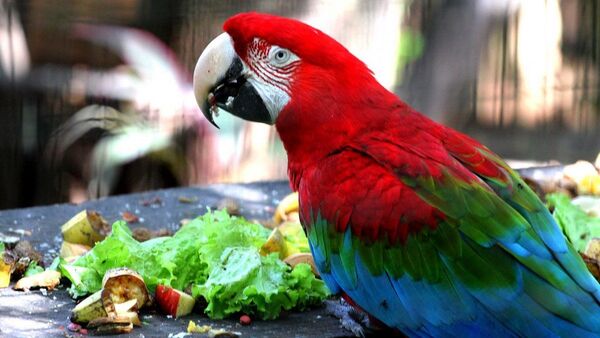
[{"x": 334, "y": 95}]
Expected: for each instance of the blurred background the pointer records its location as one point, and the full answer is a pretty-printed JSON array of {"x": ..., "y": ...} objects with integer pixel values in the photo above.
[{"x": 96, "y": 96}]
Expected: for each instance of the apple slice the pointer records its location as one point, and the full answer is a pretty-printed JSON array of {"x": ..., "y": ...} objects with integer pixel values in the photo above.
[{"x": 174, "y": 302}]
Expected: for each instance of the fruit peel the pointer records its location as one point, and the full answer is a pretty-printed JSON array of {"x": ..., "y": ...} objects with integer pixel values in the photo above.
[
  {"x": 87, "y": 227},
  {"x": 48, "y": 279},
  {"x": 174, "y": 302}
]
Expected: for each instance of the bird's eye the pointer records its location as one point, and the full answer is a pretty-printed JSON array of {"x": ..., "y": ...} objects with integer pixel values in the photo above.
[{"x": 280, "y": 56}]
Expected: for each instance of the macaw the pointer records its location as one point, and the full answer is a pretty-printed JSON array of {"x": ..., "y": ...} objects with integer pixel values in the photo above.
[{"x": 422, "y": 227}]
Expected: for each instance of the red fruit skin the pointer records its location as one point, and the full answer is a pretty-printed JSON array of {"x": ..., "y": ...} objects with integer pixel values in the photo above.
[
  {"x": 245, "y": 320},
  {"x": 167, "y": 299},
  {"x": 73, "y": 327}
]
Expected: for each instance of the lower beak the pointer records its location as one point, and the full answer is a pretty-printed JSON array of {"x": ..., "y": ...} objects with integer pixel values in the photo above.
[{"x": 220, "y": 83}]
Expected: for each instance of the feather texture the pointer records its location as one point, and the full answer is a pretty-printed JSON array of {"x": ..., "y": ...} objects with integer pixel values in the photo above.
[
  {"x": 421, "y": 226},
  {"x": 483, "y": 265}
]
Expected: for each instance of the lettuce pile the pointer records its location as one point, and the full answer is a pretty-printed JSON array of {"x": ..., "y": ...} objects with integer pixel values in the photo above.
[
  {"x": 217, "y": 255},
  {"x": 577, "y": 225}
]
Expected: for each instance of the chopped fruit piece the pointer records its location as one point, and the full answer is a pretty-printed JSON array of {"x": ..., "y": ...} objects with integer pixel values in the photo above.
[
  {"x": 71, "y": 251},
  {"x": 89, "y": 309},
  {"x": 287, "y": 205},
  {"x": 122, "y": 284},
  {"x": 87, "y": 227},
  {"x": 48, "y": 279},
  {"x": 174, "y": 302},
  {"x": 298, "y": 258},
  {"x": 245, "y": 320},
  {"x": 111, "y": 325}
]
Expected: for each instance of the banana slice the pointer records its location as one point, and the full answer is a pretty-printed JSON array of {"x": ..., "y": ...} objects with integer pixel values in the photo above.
[
  {"x": 87, "y": 228},
  {"x": 298, "y": 258},
  {"x": 287, "y": 205},
  {"x": 122, "y": 284},
  {"x": 111, "y": 325},
  {"x": 89, "y": 309}
]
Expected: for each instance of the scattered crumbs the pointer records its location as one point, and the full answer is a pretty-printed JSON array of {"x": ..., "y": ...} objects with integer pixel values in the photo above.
[
  {"x": 130, "y": 217},
  {"x": 8, "y": 239},
  {"x": 187, "y": 199},
  {"x": 221, "y": 333},
  {"x": 153, "y": 202},
  {"x": 44, "y": 292},
  {"x": 179, "y": 335},
  {"x": 20, "y": 232},
  {"x": 207, "y": 329},
  {"x": 245, "y": 320},
  {"x": 193, "y": 328}
]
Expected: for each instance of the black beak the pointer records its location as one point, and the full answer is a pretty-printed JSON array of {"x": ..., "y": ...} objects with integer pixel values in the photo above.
[
  {"x": 237, "y": 96},
  {"x": 220, "y": 82}
]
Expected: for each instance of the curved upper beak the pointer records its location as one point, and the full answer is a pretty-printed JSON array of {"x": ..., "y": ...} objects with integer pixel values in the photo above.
[
  {"x": 211, "y": 67},
  {"x": 220, "y": 83}
]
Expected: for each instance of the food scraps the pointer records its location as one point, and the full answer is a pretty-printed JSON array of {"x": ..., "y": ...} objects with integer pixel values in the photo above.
[
  {"x": 87, "y": 228},
  {"x": 130, "y": 217},
  {"x": 48, "y": 279},
  {"x": 142, "y": 234},
  {"x": 21, "y": 260},
  {"x": 187, "y": 199},
  {"x": 210, "y": 331},
  {"x": 216, "y": 255},
  {"x": 114, "y": 308},
  {"x": 579, "y": 227},
  {"x": 151, "y": 201},
  {"x": 245, "y": 320},
  {"x": 174, "y": 302},
  {"x": 286, "y": 208},
  {"x": 71, "y": 251},
  {"x": 123, "y": 284}
]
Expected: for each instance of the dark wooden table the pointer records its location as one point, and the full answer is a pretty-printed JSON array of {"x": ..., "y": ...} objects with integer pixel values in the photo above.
[{"x": 40, "y": 314}]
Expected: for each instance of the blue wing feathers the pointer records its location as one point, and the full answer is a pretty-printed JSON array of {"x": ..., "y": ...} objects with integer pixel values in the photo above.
[{"x": 530, "y": 307}]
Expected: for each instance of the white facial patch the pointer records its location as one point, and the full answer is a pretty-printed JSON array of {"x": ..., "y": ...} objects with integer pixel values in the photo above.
[
  {"x": 270, "y": 70},
  {"x": 274, "y": 98}
]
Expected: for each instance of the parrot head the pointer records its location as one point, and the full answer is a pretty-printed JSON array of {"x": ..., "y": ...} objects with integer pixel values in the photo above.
[{"x": 263, "y": 65}]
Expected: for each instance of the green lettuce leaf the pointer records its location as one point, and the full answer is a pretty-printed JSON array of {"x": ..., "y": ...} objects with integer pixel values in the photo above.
[
  {"x": 576, "y": 224},
  {"x": 244, "y": 281},
  {"x": 33, "y": 269},
  {"x": 217, "y": 254}
]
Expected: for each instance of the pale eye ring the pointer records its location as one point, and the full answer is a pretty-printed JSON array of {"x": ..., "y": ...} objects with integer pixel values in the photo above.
[{"x": 281, "y": 56}]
